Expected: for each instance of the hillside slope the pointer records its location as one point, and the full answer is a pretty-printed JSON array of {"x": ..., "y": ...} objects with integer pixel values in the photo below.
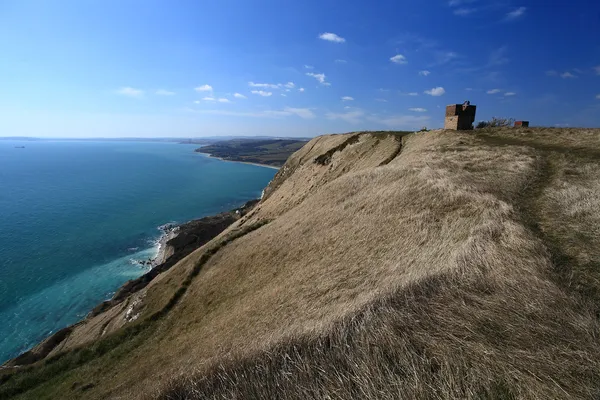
[{"x": 432, "y": 265}]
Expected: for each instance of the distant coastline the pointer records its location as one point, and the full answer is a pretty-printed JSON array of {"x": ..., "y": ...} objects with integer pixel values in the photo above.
[
  {"x": 272, "y": 153},
  {"x": 241, "y": 162}
]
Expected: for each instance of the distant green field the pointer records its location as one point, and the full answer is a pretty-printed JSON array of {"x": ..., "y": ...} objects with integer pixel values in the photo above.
[{"x": 263, "y": 151}]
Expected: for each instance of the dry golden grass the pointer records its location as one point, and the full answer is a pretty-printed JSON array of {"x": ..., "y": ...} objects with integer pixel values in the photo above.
[{"x": 433, "y": 276}]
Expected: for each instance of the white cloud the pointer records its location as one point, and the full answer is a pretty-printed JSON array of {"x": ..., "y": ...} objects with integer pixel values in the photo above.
[
  {"x": 290, "y": 85},
  {"x": 283, "y": 95},
  {"x": 598, "y": 96},
  {"x": 510, "y": 94},
  {"x": 162, "y": 92},
  {"x": 209, "y": 99},
  {"x": 353, "y": 117},
  {"x": 414, "y": 93},
  {"x": 223, "y": 100},
  {"x": 437, "y": 91},
  {"x": 301, "y": 112},
  {"x": 319, "y": 77},
  {"x": 464, "y": 11},
  {"x": 239, "y": 96},
  {"x": 597, "y": 69},
  {"x": 258, "y": 114},
  {"x": 308, "y": 67},
  {"x": 331, "y": 37},
  {"x": 341, "y": 61},
  {"x": 468, "y": 89},
  {"x": 494, "y": 91},
  {"x": 261, "y": 93},
  {"x": 424, "y": 73},
  {"x": 567, "y": 75},
  {"x": 204, "y": 88},
  {"x": 519, "y": 12},
  {"x": 347, "y": 98},
  {"x": 196, "y": 101},
  {"x": 130, "y": 92},
  {"x": 301, "y": 89},
  {"x": 263, "y": 85},
  {"x": 398, "y": 59},
  {"x": 286, "y": 112},
  {"x": 418, "y": 109}
]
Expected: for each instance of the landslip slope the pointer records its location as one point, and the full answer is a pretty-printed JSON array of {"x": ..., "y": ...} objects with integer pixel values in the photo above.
[{"x": 378, "y": 265}]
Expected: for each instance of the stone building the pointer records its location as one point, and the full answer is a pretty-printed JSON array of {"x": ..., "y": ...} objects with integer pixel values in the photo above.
[{"x": 460, "y": 117}]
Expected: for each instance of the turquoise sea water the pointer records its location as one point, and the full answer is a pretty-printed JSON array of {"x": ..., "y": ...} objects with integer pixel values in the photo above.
[{"x": 74, "y": 215}]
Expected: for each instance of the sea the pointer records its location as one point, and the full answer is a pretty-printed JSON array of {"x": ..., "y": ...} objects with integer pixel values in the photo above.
[{"x": 77, "y": 217}]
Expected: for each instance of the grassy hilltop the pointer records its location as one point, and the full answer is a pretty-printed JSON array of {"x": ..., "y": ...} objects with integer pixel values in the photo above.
[{"x": 433, "y": 265}]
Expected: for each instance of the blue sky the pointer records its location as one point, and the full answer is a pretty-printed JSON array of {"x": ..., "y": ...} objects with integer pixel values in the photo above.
[{"x": 181, "y": 68}]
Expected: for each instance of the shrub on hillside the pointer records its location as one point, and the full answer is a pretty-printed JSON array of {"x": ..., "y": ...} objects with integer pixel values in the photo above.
[{"x": 495, "y": 122}]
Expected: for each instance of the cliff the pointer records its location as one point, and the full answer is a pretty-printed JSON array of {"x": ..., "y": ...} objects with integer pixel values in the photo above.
[{"x": 377, "y": 265}]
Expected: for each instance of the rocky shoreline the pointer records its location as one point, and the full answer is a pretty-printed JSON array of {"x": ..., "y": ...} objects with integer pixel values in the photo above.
[{"x": 177, "y": 242}]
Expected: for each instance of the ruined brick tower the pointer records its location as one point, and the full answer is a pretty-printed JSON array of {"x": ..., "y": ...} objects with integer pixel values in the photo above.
[{"x": 460, "y": 117}]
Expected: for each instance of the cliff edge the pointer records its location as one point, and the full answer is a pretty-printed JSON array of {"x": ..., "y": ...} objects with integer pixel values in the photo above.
[{"x": 381, "y": 265}]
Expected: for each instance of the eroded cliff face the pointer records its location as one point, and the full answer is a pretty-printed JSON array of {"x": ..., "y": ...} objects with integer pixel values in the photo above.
[{"x": 376, "y": 265}]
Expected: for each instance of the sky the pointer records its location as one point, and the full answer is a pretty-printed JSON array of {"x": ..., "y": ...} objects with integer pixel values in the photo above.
[{"x": 182, "y": 68}]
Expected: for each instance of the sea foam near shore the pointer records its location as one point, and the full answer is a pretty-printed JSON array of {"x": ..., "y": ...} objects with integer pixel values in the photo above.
[{"x": 39, "y": 315}]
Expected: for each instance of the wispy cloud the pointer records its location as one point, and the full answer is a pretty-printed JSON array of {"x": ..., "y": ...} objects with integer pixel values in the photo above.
[
  {"x": 437, "y": 91},
  {"x": 551, "y": 73},
  {"x": 223, "y": 100},
  {"x": 443, "y": 57},
  {"x": 510, "y": 94},
  {"x": 409, "y": 94},
  {"x": 239, "y": 96},
  {"x": 130, "y": 92},
  {"x": 255, "y": 114},
  {"x": 301, "y": 112},
  {"x": 424, "y": 73},
  {"x": 263, "y": 85},
  {"x": 597, "y": 69},
  {"x": 567, "y": 75},
  {"x": 352, "y": 117},
  {"x": 301, "y": 89},
  {"x": 347, "y": 98},
  {"x": 468, "y": 89},
  {"x": 464, "y": 11},
  {"x": 598, "y": 96},
  {"x": 162, "y": 92},
  {"x": 494, "y": 91},
  {"x": 418, "y": 109},
  {"x": 398, "y": 59},
  {"x": 515, "y": 14},
  {"x": 341, "y": 61},
  {"x": 318, "y": 77},
  {"x": 331, "y": 37},
  {"x": 498, "y": 57},
  {"x": 209, "y": 99},
  {"x": 289, "y": 85},
  {"x": 381, "y": 100},
  {"x": 204, "y": 88},
  {"x": 261, "y": 93}
]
